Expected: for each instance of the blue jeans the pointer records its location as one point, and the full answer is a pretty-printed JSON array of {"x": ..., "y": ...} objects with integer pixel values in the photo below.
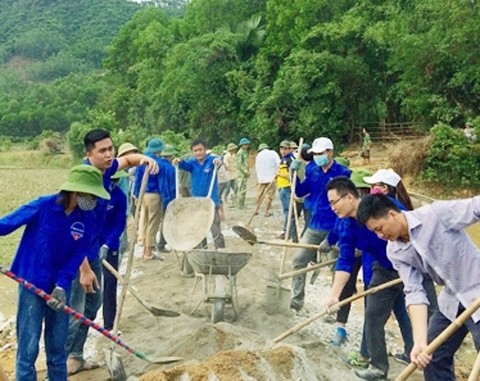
[
  {"x": 441, "y": 366},
  {"x": 285, "y": 194},
  {"x": 32, "y": 311},
  {"x": 86, "y": 304},
  {"x": 302, "y": 258}
]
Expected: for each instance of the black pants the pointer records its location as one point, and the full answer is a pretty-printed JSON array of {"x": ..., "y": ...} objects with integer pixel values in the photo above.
[
  {"x": 349, "y": 289},
  {"x": 110, "y": 291}
]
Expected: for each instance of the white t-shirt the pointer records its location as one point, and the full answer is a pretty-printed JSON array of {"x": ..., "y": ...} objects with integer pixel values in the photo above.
[{"x": 266, "y": 166}]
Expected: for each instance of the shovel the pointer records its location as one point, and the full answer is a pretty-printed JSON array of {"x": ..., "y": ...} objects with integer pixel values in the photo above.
[
  {"x": 155, "y": 311},
  {"x": 440, "y": 339},
  {"x": 342, "y": 303},
  {"x": 188, "y": 220},
  {"x": 112, "y": 359},
  {"x": 251, "y": 238},
  {"x": 84, "y": 320}
]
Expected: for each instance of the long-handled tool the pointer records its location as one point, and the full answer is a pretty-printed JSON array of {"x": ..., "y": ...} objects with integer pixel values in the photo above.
[
  {"x": 84, "y": 320},
  {"x": 440, "y": 339},
  {"x": 291, "y": 208},
  {"x": 251, "y": 238},
  {"x": 112, "y": 359},
  {"x": 260, "y": 200},
  {"x": 475, "y": 374},
  {"x": 244, "y": 191},
  {"x": 155, "y": 311},
  {"x": 342, "y": 303}
]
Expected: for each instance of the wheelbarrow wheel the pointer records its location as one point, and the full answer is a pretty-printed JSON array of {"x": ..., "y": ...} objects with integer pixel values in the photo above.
[{"x": 218, "y": 310}]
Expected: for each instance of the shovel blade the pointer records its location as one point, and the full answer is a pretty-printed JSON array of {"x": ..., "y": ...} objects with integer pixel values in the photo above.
[
  {"x": 115, "y": 365},
  {"x": 165, "y": 359}
]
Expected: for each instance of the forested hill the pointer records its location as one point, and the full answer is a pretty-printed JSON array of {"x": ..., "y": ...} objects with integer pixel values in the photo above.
[
  {"x": 66, "y": 35},
  {"x": 51, "y": 54}
]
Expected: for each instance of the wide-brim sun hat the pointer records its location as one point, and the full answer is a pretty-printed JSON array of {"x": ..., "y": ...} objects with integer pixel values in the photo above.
[
  {"x": 386, "y": 176},
  {"x": 119, "y": 174},
  {"x": 262, "y": 146},
  {"x": 231, "y": 146},
  {"x": 154, "y": 145},
  {"x": 85, "y": 178},
  {"x": 357, "y": 178},
  {"x": 126, "y": 148},
  {"x": 285, "y": 144},
  {"x": 168, "y": 150},
  {"x": 320, "y": 145}
]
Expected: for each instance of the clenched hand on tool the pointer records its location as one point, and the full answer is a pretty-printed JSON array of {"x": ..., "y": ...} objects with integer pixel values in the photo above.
[{"x": 58, "y": 299}]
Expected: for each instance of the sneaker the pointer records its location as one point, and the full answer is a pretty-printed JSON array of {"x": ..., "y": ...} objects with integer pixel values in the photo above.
[
  {"x": 280, "y": 236},
  {"x": 402, "y": 358},
  {"x": 371, "y": 374},
  {"x": 295, "y": 306},
  {"x": 356, "y": 359},
  {"x": 340, "y": 337}
]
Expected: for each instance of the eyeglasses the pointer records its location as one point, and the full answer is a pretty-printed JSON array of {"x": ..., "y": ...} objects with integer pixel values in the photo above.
[{"x": 333, "y": 203}]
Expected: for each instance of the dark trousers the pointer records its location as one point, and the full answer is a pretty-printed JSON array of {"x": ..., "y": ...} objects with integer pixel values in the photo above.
[
  {"x": 349, "y": 289},
  {"x": 110, "y": 291},
  {"x": 441, "y": 366},
  {"x": 379, "y": 309}
]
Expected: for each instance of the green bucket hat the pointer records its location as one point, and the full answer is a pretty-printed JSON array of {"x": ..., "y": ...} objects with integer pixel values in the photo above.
[
  {"x": 293, "y": 144},
  {"x": 154, "y": 145},
  {"x": 168, "y": 150},
  {"x": 262, "y": 146},
  {"x": 357, "y": 178},
  {"x": 119, "y": 174},
  {"x": 84, "y": 178},
  {"x": 343, "y": 161},
  {"x": 285, "y": 143},
  {"x": 231, "y": 146}
]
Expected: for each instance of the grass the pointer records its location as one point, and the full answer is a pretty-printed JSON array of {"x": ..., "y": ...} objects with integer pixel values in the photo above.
[{"x": 25, "y": 175}]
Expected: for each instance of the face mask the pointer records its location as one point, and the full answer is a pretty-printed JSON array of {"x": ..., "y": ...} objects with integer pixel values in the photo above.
[
  {"x": 321, "y": 160},
  {"x": 376, "y": 190},
  {"x": 86, "y": 202}
]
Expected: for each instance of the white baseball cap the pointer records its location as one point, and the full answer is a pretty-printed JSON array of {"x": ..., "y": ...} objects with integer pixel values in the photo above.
[
  {"x": 320, "y": 144},
  {"x": 386, "y": 176}
]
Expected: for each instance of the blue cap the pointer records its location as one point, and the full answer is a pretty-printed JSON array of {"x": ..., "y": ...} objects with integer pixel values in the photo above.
[
  {"x": 244, "y": 141},
  {"x": 154, "y": 145}
]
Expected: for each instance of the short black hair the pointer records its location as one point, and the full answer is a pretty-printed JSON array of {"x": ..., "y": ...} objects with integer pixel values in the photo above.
[
  {"x": 375, "y": 206},
  {"x": 343, "y": 185},
  {"x": 196, "y": 142},
  {"x": 94, "y": 136}
]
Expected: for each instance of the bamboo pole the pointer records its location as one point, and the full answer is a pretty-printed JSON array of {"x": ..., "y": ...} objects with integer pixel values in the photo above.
[
  {"x": 440, "y": 339},
  {"x": 307, "y": 269},
  {"x": 342, "y": 303}
]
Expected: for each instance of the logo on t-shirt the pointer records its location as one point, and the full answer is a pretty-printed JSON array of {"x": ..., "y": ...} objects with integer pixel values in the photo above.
[{"x": 77, "y": 230}]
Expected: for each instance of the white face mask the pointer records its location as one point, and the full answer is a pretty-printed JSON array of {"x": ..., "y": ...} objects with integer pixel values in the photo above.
[{"x": 86, "y": 203}]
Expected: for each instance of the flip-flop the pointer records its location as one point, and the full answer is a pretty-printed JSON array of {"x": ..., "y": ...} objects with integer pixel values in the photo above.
[{"x": 84, "y": 365}]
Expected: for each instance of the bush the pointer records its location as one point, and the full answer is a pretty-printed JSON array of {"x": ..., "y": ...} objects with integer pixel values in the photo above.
[
  {"x": 408, "y": 157},
  {"x": 451, "y": 160}
]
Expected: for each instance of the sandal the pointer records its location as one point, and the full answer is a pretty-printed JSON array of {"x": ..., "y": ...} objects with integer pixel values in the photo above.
[{"x": 83, "y": 365}]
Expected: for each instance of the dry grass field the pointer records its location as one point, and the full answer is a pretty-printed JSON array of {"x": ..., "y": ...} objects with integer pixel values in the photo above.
[{"x": 25, "y": 175}]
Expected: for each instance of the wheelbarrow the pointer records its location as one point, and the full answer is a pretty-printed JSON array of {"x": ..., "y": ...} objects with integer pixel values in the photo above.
[{"x": 218, "y": 270}]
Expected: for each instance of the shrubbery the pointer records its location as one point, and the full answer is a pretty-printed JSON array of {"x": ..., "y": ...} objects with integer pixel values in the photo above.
[{"x": 451, "y": 161}]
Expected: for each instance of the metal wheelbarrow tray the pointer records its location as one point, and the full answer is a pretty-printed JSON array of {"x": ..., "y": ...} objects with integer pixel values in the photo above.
[{"x": 218, "y": 270}]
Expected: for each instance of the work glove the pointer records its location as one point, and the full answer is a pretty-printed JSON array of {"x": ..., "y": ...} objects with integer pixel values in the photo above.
[
  {"x": 295, "y": 165},
  {"x": 58, "y": 299},
  {"x": 324, "y": 246},
  {"x": 102, "y": 253}
]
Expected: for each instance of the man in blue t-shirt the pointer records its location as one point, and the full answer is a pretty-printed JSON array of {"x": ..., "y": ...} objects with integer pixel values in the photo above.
[
  {"x": 201, "y": 167},
  {"x": 86, "y": 294}
]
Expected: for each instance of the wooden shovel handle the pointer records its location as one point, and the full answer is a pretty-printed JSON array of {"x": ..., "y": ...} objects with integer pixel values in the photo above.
[
  {"x": 474, "y": 375},
  {"x": 290, "y": 244},
  {"x": 342, "y": 303},
  {"x": 307, "y": 269},
  {"x": 440, "y": 339},
  {"x": 123, "y": 294}
]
